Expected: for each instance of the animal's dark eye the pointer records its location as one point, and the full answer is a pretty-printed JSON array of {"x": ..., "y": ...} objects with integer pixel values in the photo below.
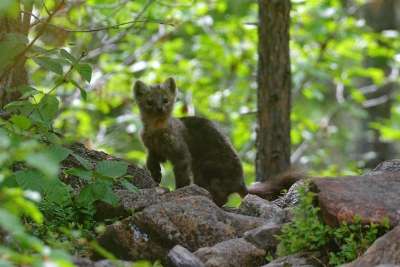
[{"x": 165, "y": 100}]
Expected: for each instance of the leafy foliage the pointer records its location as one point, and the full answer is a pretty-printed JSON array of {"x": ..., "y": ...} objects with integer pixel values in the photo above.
[
  {"x": 81, "y": 71},
  {"x": 307, "y": 232}
]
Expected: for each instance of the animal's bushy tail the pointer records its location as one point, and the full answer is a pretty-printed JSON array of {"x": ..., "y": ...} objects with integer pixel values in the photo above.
[{"x": 272, "y": 188}]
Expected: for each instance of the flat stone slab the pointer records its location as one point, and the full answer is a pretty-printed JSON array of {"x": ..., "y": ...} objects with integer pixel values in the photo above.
[{"x": 372, "y": 197}]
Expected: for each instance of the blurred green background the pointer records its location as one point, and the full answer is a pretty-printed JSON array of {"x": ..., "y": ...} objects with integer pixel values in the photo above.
[{"x": 344, "y": 66}]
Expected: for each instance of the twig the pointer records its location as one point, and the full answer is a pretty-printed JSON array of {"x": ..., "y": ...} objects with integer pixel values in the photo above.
[
  {"x": 26, "y": 18},
  {"x": 162, "y": 3},
  {"x": 45, "y": 7},
  {"x": 116, "y": 26},
  {"x": 65, "y": 77},
  {"x": 109, "y": 44},
  {"x": 30, "y": 14}
]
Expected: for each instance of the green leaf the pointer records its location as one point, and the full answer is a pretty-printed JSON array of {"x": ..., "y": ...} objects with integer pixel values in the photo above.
[
  {"x": 27, "y": 91},
  {"x": 52, "y": 189},
  {"x": 10, "y": 222},
  {"x": 85, "y": 70},
  {"x": 84, "y": 162},
  {"x": 31, "y": 180},
  {"x": 49, "y": 64},
  {"x": 57, "y": 192},
  {"x": 44, "y": 162},
  {"x": 64, "y": 53},
  {"x": 47, "y": 109},
  {"x": 83, "y": 92},
  {"x": 97, "y": 191},
  {"x": 58, "y": 152},
  {"x": 129, "y": 186},
  {"x": 81, "y": 173},
  {"x": 24, "y": 107},
  {"x": 111, "y": 168},
  {"x": 21, "y": 121}
]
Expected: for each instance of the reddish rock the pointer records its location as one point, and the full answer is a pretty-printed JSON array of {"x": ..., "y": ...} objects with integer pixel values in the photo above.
[
  {"x": 385, "y": 250},
  {"x": 372, "y": 197}
]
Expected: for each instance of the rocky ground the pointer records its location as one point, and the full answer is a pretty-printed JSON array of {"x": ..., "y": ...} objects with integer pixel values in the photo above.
[{"x": 185, "y": 228}]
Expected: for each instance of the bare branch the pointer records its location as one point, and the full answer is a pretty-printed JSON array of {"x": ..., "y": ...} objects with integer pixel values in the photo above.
[
  {"x": 116, "y": 26},
  {"x": 109, "y": 44},
  {"x": 26, "y": 18}
]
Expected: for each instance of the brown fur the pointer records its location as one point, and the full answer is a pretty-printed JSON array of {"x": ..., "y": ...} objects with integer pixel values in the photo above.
[
  {"x": 195, "y": 146},
  {"x": 272, "y": 188}
]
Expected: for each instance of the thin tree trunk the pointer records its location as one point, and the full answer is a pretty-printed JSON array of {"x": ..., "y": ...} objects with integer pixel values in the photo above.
[
  {"x": 17, "y": 76},
  {"x": 380, "y": 16},
  {"x": 274, "y": 86}
]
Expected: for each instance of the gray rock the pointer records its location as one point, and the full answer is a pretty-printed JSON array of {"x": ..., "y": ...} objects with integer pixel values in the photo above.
[
  {"x": 385, "y": 250},
  {"x": 253, "y": 205},
  {"x": 191, "y": 221},
  {"x": 146, "y": 197},
  {"x": 113, "y": 263},
  {"x": 264, "y": 236},
  {"x": 296, "y": 260},
  {"x": 388, "y": 166},
  {"x": 128, "y": 242},
  {"x": 231, "y": 253},
  {"x": 291, "y": 198},
  {"x": 85, "y": 262},
  {"x": 181, "y": 257}
]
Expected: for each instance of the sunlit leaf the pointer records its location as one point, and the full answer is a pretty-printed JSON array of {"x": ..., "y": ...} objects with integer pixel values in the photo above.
[
  {"x": 49, "y": 64},
  {"x": 68, "y": 56},
  {"x": 85, "y": 70},
  {"x": 21, "y": 121},
  {"x": 111, "y": 168}
]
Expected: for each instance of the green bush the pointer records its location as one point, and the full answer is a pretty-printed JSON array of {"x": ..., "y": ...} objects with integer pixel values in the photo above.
[{"x": 307, "y": 232}]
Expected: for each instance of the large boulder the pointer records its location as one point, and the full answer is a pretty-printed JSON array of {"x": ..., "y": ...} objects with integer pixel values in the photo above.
[
  {"x": 190, "y": 221},
  {"x": 137, "y": 201},
  {"x": 385, "y": 250},
  {"x": 140, "y": 177},
  {"x": 372, "y": 197},
  {"x": 193, "y": 222},
  {"x": 231, "y": 253}
]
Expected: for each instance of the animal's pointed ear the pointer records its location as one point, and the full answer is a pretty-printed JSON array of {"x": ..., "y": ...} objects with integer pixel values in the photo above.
[
  {"x": 170, "y": 85},
  {"x": 139, "y": 89}
]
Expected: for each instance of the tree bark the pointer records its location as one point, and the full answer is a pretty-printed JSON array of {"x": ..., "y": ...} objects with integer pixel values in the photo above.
[
  {"x": 12, "y": 78},
  {"x": 380, "y": 16},
  {"x": 274, "y": 86}
]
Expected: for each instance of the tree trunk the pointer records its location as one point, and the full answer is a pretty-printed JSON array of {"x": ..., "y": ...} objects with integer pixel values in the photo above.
[
  {"x": 274, "y": 86},
  {"x": 15, "y": 76},
  {"x": 380, "y": 16}
]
